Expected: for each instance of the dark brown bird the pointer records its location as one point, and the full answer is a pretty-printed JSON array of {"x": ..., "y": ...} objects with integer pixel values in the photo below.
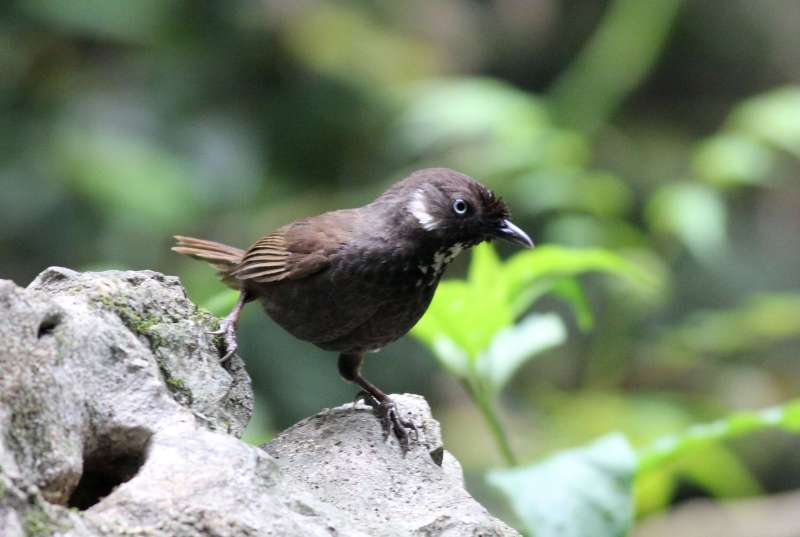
[{"x": 353, "y": 280}]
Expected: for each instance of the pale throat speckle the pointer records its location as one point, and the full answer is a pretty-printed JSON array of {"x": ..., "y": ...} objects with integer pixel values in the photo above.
[
  {"x": 441, "y": 258},
  {"x": 419, "y": 209}
]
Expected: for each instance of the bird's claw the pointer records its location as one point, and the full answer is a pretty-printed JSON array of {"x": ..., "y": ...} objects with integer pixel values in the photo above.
[
  {"x": 390, "y": 418},
  {"x": 227, "y": 329}
]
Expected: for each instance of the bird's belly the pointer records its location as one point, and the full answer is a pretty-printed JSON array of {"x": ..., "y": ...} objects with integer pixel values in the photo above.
[
  {"x": 390, "y": 322},
  {"x": 351, "y": 316}
]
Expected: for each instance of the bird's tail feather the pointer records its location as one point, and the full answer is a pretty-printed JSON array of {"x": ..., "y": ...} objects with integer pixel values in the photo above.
[{"x": 222, "y": 257}]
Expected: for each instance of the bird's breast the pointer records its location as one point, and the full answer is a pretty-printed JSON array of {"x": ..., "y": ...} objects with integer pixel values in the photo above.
[
  {"x": 363, "y": 300},
  {"x": 397, "y": 269}
]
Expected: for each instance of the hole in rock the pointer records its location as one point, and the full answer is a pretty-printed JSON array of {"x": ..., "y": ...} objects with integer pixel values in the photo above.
[
  {"x": 115, "y": 460},
  {"x": 48, "y": 324},
  {"x": 438, "y": 455}
]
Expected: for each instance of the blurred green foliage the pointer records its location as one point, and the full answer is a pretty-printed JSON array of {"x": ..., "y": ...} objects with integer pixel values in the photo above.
[
  {"x": 590, "y": 490},
  {"x": 581, "y": 491},
  {"x": 664, "y": 138}
]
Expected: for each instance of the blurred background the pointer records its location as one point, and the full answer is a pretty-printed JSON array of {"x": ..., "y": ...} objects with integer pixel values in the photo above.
[{"x": 666, "y": 131}]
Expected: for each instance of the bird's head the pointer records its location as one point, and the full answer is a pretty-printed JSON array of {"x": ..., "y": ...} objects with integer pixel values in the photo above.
[{"x": 455, "y": 208}]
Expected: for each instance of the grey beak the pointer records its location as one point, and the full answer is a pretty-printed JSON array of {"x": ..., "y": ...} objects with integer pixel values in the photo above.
[{"x": 511, "y": 233}]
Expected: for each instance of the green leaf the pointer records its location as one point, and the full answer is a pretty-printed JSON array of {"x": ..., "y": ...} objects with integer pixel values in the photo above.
[
  {"x": 718, "y": 471},
  {"x": 589, "y": 490},
  {"x": 516, "y": 344},
  {"x": 694, "y": 213},
  {"x": 571, "y": 188},
  {"x": 483, "y": 126},
  {"x": 465, "y": 315},
  {"x": 773, "y": 117},
  {"x": 730, "y": 160},
  {"x": 485, "y": 269},
  {"x": 447, "y": 304},
  {"x": 471, "y": 109},
  {"x": 570, "y": 291},
  {"x": 550, "y": 263},
  {"x": 469, "y": 314},
  {"x": 576, "y": 493},
  {"x": 653, "y": 491},
  {"x": 669, "y": 448}
]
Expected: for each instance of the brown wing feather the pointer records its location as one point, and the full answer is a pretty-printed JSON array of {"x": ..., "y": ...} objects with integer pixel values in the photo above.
[
  {"x": 297, "y": 250},
  {"x": 266, "y": 260},
  {"x": 272, "y": 259}
]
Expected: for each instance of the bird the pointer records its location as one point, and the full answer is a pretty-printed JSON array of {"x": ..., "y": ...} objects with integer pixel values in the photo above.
[{"x": 354, "y": 280}]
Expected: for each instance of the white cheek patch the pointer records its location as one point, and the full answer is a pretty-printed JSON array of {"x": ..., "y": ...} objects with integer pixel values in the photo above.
[{"x": 419, "y": 209}]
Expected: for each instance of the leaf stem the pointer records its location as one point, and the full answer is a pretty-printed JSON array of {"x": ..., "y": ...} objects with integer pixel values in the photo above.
[{"x": 486, "y": 406}]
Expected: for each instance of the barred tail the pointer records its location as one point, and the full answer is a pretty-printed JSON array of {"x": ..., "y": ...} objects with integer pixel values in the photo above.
[{"x": 222, "y": 257}]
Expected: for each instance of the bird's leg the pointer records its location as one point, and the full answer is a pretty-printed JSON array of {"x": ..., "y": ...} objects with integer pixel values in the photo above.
[
  {"x": 227, "y": 326},
  {"x": 350, "y": 369}
]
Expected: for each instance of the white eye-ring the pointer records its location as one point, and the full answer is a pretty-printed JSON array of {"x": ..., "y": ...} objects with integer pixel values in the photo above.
[{"x": 460, "y": 207}]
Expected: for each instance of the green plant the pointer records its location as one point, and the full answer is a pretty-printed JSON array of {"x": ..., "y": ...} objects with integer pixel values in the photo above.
[
  {"x": 597, "y": 489},
  {"x": 470, "y": 326}
]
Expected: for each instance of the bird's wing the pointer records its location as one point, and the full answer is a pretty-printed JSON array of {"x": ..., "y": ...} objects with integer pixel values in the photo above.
[{"x": 295, "y": 251}]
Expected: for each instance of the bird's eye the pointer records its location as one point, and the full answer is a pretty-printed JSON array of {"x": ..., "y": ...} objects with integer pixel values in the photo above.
[{"x": 460, "y": 207}]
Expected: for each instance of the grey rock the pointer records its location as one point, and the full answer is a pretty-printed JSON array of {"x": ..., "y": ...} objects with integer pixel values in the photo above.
[
  {"x": 156, "y": 311},
  {"x": 116, "y": 418},
  {"x": 341, "y": 456}
]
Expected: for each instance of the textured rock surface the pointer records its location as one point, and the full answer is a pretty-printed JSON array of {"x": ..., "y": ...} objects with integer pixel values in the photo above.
[
  {"x": 340, "y": 455},
  {"x": 117, "y": 419}
]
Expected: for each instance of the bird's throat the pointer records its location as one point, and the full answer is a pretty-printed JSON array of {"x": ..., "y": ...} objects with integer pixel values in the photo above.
[{"x": 432, "y": 266}]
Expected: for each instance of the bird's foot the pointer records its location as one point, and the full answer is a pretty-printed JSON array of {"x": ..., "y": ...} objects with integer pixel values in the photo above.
[
  {"x": 227, "y": 329},
  {"x": 390, "y": 418}
]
